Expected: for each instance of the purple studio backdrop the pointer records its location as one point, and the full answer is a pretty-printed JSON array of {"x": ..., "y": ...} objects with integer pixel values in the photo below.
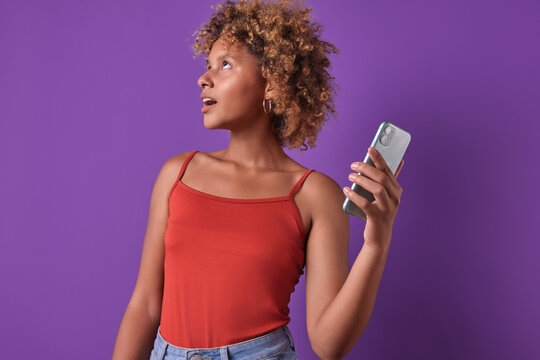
[{"x": 96, "y": 95}]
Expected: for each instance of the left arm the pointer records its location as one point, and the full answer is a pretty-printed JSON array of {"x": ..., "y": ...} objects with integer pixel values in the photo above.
[
  {"x": 345, "y": 318},
  {"x": 339, "y": 303}
]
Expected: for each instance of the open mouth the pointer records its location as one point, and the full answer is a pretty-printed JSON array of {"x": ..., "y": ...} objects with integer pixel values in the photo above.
[
  {"x": 208, "y": 102},
  {"x": 208, "y": 105}
]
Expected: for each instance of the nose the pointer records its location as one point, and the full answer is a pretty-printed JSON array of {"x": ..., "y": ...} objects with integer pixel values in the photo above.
[{"x": 205, "y": 80}]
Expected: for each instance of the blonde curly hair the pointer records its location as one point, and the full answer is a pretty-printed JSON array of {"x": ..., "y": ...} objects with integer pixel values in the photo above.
[{"x": 286, "y": 44}]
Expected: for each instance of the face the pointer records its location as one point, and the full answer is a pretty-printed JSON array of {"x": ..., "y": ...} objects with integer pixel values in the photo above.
[{"x": 234, "y": 81}]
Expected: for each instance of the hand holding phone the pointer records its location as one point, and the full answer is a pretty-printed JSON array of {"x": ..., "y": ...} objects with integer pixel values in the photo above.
[{"x": 391, "y": 142}]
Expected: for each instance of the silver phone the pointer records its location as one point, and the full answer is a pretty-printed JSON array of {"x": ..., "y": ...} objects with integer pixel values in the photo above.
[{"x": 391, "y": 142}]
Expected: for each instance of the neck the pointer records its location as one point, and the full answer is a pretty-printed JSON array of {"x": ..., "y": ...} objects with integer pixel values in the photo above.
[{"x": 254, "y": 149}]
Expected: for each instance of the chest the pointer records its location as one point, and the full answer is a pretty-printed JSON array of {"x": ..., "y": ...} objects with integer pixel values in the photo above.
[{"x": 263, "y": 186}]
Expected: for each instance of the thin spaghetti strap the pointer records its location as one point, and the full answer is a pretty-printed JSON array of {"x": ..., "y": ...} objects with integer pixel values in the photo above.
[
  {"x": 182, "y": 170},
  {"x": 299, "y": 182},
  {"x": 185, "y": 164}
]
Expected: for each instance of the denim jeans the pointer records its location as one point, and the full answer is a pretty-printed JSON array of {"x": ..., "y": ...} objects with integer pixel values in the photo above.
[{"x": 275, "y": 345}]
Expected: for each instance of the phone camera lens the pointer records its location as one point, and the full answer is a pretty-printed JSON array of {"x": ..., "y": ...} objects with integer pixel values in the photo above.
[
  {"x": 387, "y": 135},
  {"x": 389, "y": 130}
]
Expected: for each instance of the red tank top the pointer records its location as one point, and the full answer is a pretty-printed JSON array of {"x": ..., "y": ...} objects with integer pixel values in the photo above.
[{"x": 230, "y": 265}]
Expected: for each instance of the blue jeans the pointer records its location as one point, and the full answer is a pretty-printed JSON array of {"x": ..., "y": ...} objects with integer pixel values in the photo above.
[{"x": 275, "y": 345}]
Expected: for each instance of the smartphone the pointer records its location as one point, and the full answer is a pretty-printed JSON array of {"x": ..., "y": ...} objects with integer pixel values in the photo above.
[{"x": 391, "y": 142}]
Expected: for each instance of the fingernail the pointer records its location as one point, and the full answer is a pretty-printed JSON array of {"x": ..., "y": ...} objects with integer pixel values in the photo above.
[
  {"x": 373, "y": 151},
  {"x": 346, "y": 190}
]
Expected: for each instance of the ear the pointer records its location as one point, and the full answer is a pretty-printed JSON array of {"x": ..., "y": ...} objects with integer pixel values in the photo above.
[{"x": 269, "y": 89}]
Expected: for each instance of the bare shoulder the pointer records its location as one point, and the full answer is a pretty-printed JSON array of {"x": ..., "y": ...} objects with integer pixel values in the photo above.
[
  {"x": 318, "y": 181},
  {"x": 168, "y": 175},
  {"x": 321, "y": 193},
  {"x": 175, "y": 162}
]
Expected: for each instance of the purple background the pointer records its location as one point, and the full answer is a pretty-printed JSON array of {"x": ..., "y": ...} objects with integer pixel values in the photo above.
[{"x": 96, "y": 95}]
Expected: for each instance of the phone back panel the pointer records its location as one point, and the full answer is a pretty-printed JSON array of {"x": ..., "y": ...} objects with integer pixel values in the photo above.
[{"x": 392, "y": 148}]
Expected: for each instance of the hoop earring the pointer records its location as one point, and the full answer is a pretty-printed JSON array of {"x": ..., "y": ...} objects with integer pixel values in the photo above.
[{"x": 264, "y": 106}]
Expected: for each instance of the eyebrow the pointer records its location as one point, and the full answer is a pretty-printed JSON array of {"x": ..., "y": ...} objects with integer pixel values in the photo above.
[{"x": 219, "y": 58}]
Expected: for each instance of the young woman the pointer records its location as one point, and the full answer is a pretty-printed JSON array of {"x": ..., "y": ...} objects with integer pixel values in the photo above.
[{"x": 230, "y": 231}]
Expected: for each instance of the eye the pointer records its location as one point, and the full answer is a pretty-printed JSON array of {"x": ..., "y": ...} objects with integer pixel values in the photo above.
[{"x": 224, "y": 62}]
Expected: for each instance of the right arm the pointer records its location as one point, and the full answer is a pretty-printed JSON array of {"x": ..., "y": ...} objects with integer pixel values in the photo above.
[{"x": 135, "y": 338}]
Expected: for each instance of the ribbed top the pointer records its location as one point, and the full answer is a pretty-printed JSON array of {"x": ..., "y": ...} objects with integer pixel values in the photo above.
[{"x": 230, "y": 265}]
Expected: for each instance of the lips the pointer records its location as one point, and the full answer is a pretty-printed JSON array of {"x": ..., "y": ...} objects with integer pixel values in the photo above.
[
  {"x": 208, "y": 105},
  {"x": 207, "y": 98},
  {"x": 208, "y": 101}
]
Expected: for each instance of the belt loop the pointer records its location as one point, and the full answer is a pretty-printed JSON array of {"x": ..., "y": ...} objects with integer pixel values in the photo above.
[
  {"x": 289, "y": 335},
  {"x": 223, "y": 353},
  {"x": 161, "y": 355},
  {"x": 163, "y": 350}
]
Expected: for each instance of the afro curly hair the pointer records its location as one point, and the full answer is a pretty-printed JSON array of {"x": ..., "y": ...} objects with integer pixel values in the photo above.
[{"x": 290, "y": 54}]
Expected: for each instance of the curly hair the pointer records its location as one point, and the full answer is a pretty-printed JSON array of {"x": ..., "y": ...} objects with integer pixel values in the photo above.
[{"x": 290, "y": 54}]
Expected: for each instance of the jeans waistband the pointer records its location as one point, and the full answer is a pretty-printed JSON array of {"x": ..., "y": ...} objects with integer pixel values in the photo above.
[{"x": 265, "y": 345}]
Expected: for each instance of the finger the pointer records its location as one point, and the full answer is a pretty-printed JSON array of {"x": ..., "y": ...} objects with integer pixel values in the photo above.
[
  {"x": 359, "y": 200},
  {"x": 371, "y": 172},
  {"x": 377, "y": 159},
  {"x": 376, "y": 175},
  {"x": 378, "y": 190},
  {"x": 382, "y": 173},
  {"x": 392, "y": 177},
  {"x": 399, "y": 167},
  {"x": 394, "y": 189}
]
